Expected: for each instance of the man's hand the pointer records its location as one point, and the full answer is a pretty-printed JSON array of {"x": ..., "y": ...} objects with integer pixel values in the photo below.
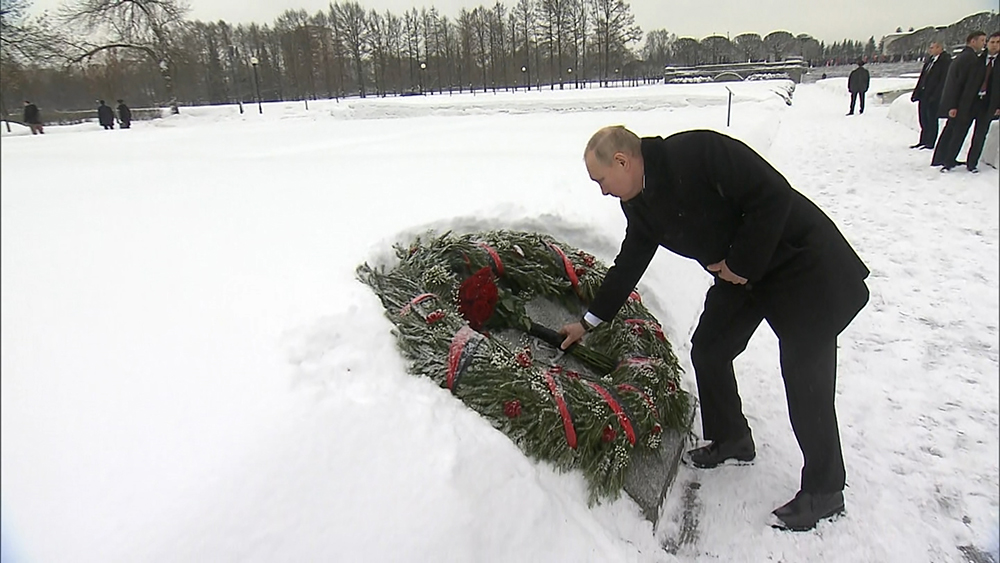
[
  {"x": 723, "y": 271},
  {"x": 573, "y": 333},
  {"x": 953, "y": 113}
]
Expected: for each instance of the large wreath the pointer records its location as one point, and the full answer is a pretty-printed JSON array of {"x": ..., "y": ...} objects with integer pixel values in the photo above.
[{"x": 461, "y": 304}]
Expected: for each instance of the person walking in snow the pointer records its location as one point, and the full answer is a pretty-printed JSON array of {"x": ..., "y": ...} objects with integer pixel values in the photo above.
[
  {"x": 961, "y": 93},
  {"x": 124, "y": 115},
  {"x": 775, "y": 256},
  {"x": 33, "y": 118},
  {"x": 105, "y": 115},
  {"x": 857, "y": 85},
  {"x": 927, "y": 93}
]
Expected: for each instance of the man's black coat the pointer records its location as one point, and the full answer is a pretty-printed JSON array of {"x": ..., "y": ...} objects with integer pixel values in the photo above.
[
  {"x": 124, "y": 114},
  {"x": 930, "y": 85},
  {"x": 859, "y": 80},
  {"x": 965, "y": 76},
  {"x": 994, "y": 89},
  {"x": 105, "y": 115},
  {"x": 31, "y": 114},
  {"x": 709, "y": 197}
]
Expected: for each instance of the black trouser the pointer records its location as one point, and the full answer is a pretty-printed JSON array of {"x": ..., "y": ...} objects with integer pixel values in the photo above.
[
  {"x": 952, "y": 139},
  {"x": 983, "y": 121},
  {"x": 855, "y": 96},
  {"x": 809, "y": 370},
  {"x": 928, "y": 112}
]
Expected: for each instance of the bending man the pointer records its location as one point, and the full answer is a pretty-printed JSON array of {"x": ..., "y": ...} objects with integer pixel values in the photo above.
[{"x": 775, "y": 256}]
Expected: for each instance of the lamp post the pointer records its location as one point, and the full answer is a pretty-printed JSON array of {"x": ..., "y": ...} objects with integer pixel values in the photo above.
[
  {"x": 423, "y": 67},
  {"x": 256, "y": 82},
  {"x": 527, "y": 82},
  {"x": 569, "y": 71},
  {"x": 236, "y": 88}
]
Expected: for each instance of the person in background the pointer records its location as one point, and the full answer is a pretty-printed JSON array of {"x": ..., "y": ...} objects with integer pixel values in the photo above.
[
  {"x": 986, "y": 106},
  {"x": 105, "y": 115},
  {"x": 33, "y": 118},
  {"x": 857, "y": 85},
  {"x": 124, "y": 115},
  {"x": 961, "y": 90},
  {"x": 774, "y": 255},
  {"x": 927, "y": 93}
]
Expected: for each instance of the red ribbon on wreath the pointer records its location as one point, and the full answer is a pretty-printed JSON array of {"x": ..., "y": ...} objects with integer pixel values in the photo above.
[
  {"x": 645, "y": 397},
  {"x": 639, "y": 325},
  {"x": 456, "y": 352},
  {"x": 617, "y": 409},
  {"x": 568, "y": 266},
  {"x": 415, "y": 301},
  {"x": 561, "y": 404},
  {"x": 496, "y": 257}
]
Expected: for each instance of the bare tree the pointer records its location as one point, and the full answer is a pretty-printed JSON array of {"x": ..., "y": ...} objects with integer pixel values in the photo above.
[
  {"x": 687, "y": 50},
  {"x": 354, "y": 28},
  {"x": 615, "y": 28},
  {"x": 149, "y": 26},
  {"x": 777, "y": 44},
  {"x": 718, "y": 49},
  {"x": 525, "y": 13},
  {"x": 749, "y": 46},
  {"x": 656, "y": 50}
]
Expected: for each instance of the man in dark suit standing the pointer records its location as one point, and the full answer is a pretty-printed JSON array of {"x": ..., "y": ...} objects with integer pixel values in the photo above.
[
  {"x": 965, "y": 76},
  {"x": 857, "y": 85},
  {"x": 986, "y": 106},
  {"x": 774, "y": 255},
  {"x": 927, "y": 94}
]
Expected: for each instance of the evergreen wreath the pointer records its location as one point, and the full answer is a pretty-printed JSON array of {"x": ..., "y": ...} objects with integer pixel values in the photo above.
[{"x": 455, "y": 299}]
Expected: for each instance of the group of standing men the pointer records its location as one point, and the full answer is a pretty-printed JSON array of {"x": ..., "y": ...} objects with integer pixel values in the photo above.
[
  {"x": 106, "y": 116},
  {"x": 966, "y": 91}
]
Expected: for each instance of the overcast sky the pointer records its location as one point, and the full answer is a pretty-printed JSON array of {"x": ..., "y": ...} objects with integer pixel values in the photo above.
[{"x": 829, "y": 20}]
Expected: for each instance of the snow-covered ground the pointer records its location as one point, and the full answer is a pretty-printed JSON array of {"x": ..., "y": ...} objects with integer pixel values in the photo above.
[{"x": 190, "y": 371}]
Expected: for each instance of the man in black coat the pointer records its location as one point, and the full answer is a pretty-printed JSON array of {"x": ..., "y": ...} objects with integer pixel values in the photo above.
[
  {"x": 775, "y": 256},
  {"x": 961, "y": 88},
  {"x": 124, "y": 115},
  {"x": 857, "y": 85},
  {"x": 32, "y": 118},
  {"x": 105, "y": 115},
  {"x": 986, "y": 106},
  {"x": 927, "y": 93}
]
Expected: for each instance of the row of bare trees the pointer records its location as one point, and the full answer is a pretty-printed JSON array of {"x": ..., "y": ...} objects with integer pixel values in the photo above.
[{"x": 148, "y": 52}]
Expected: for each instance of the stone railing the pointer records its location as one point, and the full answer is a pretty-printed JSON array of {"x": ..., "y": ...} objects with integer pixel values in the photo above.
[{"x": 791, "y": 69}]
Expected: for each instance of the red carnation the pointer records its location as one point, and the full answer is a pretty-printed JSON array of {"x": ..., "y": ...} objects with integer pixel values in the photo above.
[
  {"x": 512, "y": 408},
  {"x": 477, "y": 298},
  {"x": 435, "y": 317},
  {"x": 609, "y": 434},
  {"x": 656, "y": 429},
  {"x": 580, "y": 271}
]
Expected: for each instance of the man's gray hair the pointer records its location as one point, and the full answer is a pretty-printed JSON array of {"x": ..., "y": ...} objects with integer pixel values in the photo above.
[{"x": 610, "y": 140}]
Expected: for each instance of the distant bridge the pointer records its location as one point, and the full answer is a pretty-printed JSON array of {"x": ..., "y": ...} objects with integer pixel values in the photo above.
[{"x": 731, "y": 72}]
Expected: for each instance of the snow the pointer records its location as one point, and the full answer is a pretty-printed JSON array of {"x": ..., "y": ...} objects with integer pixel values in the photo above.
[{"x": 190, "y": 371}]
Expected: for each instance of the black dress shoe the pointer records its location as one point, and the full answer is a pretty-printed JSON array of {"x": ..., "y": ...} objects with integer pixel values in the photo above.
[
  {"x": 917, "y": 146},
  {"x": 974, "y": 170},
  {"x": 716, "y": 453},
  {"x": 806, "y": 509}
]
